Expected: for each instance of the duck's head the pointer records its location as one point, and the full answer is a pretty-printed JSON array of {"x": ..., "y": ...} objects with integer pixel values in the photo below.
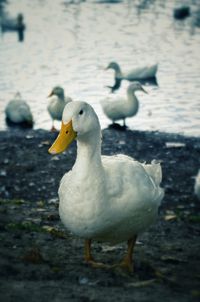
[
  {"x": 58, "y": 91},
  {"x": 79, "y": 121},
  {"x": 135, "y": 86},
  {"x": 113, "y": 65}
]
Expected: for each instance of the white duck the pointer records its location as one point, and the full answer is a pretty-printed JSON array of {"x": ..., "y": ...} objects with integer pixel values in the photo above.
[
  {"x": 106, "y": 198},
  {"x": 18, "y": 112},
  {"x": 140, "y": 73},
  {"x": 121, "y": 108},
  {"x": 57, "y": 104},
  {"x": 197, "y": 185}
]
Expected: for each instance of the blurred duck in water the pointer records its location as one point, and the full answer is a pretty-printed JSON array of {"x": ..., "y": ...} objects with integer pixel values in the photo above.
[
  {"x": 181, "y": 13},
  {"x": 106, "y": 198},
  {"x": 121, "y": 108},
  {"x": 17, "y": 24},
  {"x": 18, "y": 112},
  {"x": 197, "y": 185},
  {"x": 57, "y": 104},
  {"x": 142, "y": 74}
]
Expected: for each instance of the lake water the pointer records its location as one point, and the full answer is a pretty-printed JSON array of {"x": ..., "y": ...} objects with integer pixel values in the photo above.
[{"x": 69, "y": 43}]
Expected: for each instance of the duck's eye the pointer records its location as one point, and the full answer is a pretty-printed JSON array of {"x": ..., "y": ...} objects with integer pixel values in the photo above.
[{"x": 81, "y": 112}]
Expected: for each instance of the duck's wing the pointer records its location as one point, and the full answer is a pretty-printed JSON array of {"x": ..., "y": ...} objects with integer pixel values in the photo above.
[
  {"x": 154, "y": 171},
  {"x": 114, "y": 109},
  {"x": 133, "y": 196},
  {"x": 26, "y": 112},
  {"x": 130, "y": 180}
]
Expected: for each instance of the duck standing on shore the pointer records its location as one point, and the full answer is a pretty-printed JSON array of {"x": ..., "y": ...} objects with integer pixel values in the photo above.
[
  {"x": 104, "y": 198},
  {"x": 57, "y": 104},
  {"x": 18, "y": 112},
  {"x": 121, "y": 108}
]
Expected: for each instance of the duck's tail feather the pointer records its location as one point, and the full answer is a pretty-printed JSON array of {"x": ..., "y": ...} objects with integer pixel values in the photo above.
[{"x": 155, "y": 171}]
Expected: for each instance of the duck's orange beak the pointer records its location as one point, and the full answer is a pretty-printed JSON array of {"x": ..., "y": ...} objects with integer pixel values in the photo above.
[{"x": 64, "y": 139}]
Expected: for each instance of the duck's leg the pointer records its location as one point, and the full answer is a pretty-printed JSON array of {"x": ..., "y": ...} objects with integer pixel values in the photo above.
[
  {"x": 53, "y": 129},
  {"x": 87, "y": 251},
  {"x": 124, "y": 123},
  {"x": 89, "y": 258},
  {"x": 127, "y": 261}
]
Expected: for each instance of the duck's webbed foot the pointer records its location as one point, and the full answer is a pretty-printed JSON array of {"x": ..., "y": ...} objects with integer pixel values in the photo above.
[
  {"x": 125, "y": 265},
  {"x": 127, "y": 262},
  {"x": 89, "y": 258}
]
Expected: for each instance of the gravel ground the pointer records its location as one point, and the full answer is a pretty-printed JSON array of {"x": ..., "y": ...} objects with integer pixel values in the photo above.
[{"x": 41, "y": 261}]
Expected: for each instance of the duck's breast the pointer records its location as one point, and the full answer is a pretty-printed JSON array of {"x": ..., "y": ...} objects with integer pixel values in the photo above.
[
  {"x": 55, "y": 108},
  {"x": 82, "y": 204}
]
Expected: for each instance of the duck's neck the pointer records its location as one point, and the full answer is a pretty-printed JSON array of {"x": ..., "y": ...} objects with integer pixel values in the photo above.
[
  {"x": 118, "y": 72},
  {"x": 88, "y": 154},
  {"x": 61, "y": 96},
  {"x": 131, "y": 96}
]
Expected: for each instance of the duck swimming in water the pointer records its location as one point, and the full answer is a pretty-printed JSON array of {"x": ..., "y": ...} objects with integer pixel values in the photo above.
[{"x": 140, "y": 73}]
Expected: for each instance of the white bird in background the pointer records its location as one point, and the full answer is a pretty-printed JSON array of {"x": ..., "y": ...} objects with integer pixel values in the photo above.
[
  {"x": 121, "y": 108},
  {"x": 57, "y": 104},
  {"x": 18, "y": 112},
  {"x": 197, "y": 185},
  {"x": 106, "y": 198},
  {"x": 140, "y": 73}
]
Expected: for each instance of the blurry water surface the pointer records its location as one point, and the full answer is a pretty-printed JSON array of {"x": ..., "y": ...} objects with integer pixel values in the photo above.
[{"x": 70, "y": 42}]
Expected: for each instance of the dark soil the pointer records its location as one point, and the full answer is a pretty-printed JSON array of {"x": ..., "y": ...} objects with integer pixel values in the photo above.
[{"x": 41, "y": 261}]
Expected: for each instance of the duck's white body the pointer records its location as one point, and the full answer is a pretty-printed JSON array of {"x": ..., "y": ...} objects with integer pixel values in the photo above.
[
  {"x": 57, "y": 103},
  {"x": 112, "y": 204},
  {"x": 121, "y": 108},
  {"x": 109, "y": 198},
  {"x": 140, "y": 73},
  {"x": 18, "y": 111},
  {"x": 197, "y": 185}
]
